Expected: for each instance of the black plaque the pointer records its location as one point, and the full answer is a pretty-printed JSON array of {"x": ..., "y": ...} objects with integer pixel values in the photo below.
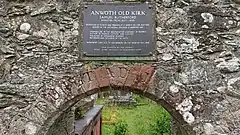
[{"x": 118, "y": 30}]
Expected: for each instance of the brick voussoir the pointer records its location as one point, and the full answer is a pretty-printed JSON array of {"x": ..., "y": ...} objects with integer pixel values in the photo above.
[
  {"x": 89, "y": 81},
  {"x": 102, "y": 77},
  {"x": 144, "y": 77},
  {"x": 132, "y": 77},
  {"x": 118, "y": 75}
]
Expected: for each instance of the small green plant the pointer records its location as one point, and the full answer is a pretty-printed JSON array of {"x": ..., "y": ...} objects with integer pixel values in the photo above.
[
  {"x": 121, "y": 128},
  {"x": 162, "y": 126}
]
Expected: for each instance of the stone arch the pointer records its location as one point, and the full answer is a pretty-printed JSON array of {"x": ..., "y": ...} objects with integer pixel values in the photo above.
[
  {"x": 197, "y": 67},
  {"x": 138, "y": 78}
]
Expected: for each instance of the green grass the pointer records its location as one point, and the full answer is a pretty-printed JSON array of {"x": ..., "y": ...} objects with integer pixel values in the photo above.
[{"x": 141, "y": 120}]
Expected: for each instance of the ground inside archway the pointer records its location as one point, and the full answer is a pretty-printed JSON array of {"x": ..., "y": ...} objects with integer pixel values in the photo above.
[{"x": 137, "y": 119}]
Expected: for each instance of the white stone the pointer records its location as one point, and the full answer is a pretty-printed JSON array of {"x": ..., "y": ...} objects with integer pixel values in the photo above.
[
  {"x": 167, "y": 2},
  {"x": 208, "y": 17},
  {"x": 221, "y": 89},
  {"x": 219, "y": 60},
  {"x": 174, "y": 89},
  {"x": 190, "y": 45},
  {"x": 75, "y": 33},
  {"x": 238, "y": 31},
  {"x": 178, "y": 83},
  {"x": 191, "y": 41},
  {"x": 160, "y": 44},
  {"x": 180, "y": 11},
  {"x": 225, "y": 54},
  {"x": 184, "y": 78},
  {"x": 15, "y": 67},
  {"x": 205, "y": 27},
  {"x": 41, "y": 33},
  {"x": 167, "y": 56},
  {"x": 75, "y": 25},
  {"x": 233, "y": 80},
  {"x": 208, "y": 129},
  {"x": 21, "y": 75},
  {"x": 197, "y": 107},
  {"x": 220, "y": 107},
  {"x": 59, "y": 90},
  {"x": 22, "y": 36},
  {"x": 188, "y": 117},
  {"x": 230, "y": 22},
  {"x": 185, "y": 106},
  {"x": 158, "y": 29},
  {"x": 215, "y": 1},
  {"x": 232, "y": 65},
  {"x": 25, "y": 27},
  {"x": 30, "y": 128}
]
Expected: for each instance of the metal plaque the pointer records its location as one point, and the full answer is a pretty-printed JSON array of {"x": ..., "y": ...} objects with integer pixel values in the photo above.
[{"x": 118, "y": 30}]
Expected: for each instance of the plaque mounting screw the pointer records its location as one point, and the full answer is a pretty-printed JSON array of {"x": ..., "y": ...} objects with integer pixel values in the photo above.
[
  {"x": 85, "y": 6},
  {"x": 149, "y": 6},
  {"x": 150, "y": 53},
  {"x": 84, "y": 53}
]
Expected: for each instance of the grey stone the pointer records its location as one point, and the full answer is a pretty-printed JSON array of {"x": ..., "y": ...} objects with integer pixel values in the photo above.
[
  {"x": 75, "y": 33},
  {"x": 43, "y": 10},
  {"x": 4, "y": 30},
  {"x": 22, "y": 36},
  {"x": 229, "y": 66},
  {"x": 18, "y": 9},
  {"x": 236, "y": 1},
  {"x": 187, "y": 45},
  {"x": 167, "y": 3},
  {"x": 167, "y": 56},
  {"x": 233, "y": 87},
  {"x": 40, "y": 34},
  {"x": 184, "y": 78},
  {"x": 221, "y": 89},
  {"x": 30, "y": 128},
  {"x": 209, "y": 129}
]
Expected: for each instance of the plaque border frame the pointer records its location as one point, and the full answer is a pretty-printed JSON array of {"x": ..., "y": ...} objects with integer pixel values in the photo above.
[{"x": 83, "y": 57}]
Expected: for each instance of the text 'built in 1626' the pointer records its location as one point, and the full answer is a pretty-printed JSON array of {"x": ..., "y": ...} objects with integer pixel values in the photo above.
[{"x": 118, "y": 30}]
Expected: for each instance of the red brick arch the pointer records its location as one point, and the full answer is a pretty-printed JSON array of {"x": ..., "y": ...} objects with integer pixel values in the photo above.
[{"x": 139, "y": 78}]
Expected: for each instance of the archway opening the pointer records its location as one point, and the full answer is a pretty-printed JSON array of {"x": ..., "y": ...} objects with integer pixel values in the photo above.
[
  {"x": 132, "y": 114},
  {"x": 172, "y": 119}
]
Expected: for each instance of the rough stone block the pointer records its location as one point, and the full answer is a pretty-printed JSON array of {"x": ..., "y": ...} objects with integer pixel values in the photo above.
[
  {"x": 50, "y": 95},
  {"x": 144, "y": 77},
  {"x": 102, "y": 77},
  {"x": 132, "y": 77},
  {"x": 118, "y": 75},
  {"x": 89, "y": 81},
  {"x": 151, "y": 84}
]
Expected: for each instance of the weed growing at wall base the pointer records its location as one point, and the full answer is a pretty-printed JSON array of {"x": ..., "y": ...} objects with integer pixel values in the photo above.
[{"x": 121, "y": 128}]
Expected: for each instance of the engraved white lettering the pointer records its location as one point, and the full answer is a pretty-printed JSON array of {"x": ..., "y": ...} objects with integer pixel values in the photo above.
[
  {"x": 138, "y": 13},
  {"x": 114, "y": 13},
  {"x": 103, "y": 13}
]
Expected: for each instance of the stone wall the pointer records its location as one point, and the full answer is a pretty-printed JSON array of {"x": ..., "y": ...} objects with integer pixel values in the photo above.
[
  {"x": 196, "y": 76},
  {"x": 63, "y": 125}
]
